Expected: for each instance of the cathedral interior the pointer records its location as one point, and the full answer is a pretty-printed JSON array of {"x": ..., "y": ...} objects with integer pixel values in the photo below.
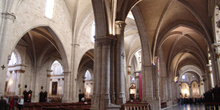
[{"x": 111, "y": 53}]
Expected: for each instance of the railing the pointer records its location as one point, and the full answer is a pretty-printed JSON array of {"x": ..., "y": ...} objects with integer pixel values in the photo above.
[
  {"x": 136, "y": 106},
  {"x": 56, "y": 106}
]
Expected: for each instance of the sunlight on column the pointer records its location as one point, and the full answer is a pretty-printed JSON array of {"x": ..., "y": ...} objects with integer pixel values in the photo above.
[{"x": 212, "y": 81}]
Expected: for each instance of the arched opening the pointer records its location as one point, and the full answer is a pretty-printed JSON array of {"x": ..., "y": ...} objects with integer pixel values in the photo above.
[
  {"x": 13, "y": 81},
  {"x": 88, "y": 85},
  {"x": 31, "y": 65},
  {"x": 56, "y": 86},
  {"x": 185, "y": 90},
  {"x": 195, "y": 86},
  {"x": 195, "y": 90},
  {"x": 135, "y": 77},
  {"x": 85, "y": 77}
]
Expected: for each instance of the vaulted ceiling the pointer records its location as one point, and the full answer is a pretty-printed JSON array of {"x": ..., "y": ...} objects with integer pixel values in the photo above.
[
  {"x": 182, "y": 29},
  {"x": 40, "y": 45}
]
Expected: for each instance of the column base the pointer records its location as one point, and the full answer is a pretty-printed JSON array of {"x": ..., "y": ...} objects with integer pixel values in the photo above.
[
  {"x": 155, "y": 105},
  {"x": 169, "y": 103},
  {"x": 110, "y": 107},
  {"x": 113, "y": 107},
  {"x": 121, "y": 101}
]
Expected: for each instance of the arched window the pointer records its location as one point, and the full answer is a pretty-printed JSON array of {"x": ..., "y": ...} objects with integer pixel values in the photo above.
[
  {"x": 88, "y": 87},
  {"x": 49, "y": 9},
  {"x": 13, "y": 59},
  {"x": 56, "y": 68},
  {"x": 138, "y": 57},
  {"x": 183, "y": 77},
  {"x": 130, "y": 15},
  {"x": 93, "y": 32},
  {"x": 88, "y": 75},
  {"x": 185, "y": 90}
]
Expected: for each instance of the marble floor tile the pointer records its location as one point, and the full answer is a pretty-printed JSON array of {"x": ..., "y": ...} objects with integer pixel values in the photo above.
[{"x": 186, "y": 107}]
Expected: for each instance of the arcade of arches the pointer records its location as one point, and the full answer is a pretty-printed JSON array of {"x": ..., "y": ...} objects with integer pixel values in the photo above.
[{"x": 110, "y": 51}]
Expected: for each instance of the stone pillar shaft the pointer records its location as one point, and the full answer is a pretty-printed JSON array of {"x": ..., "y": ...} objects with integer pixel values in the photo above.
[
  {"x": 105, "y": 89},
  {"x": 190, "y": 91},
  {"x": 20, "y": 83},
  {"x": 180, "y": 91},
  {"x": 66, "y": 86},
  {"x": 120, "y": 25},
  {"x": 216, "y": 75},
  {"x": 137, "y": 86},
  {"x": 147, "y": 84},
  {"x": 6, "y": 22},
  {"x": 156, "y": 80},
  {"x": 113, "y": 72},
  {"x": 102, "y": 77},
  {"x": 164, "y": 90},
  {"x": 199, "y": 87}
]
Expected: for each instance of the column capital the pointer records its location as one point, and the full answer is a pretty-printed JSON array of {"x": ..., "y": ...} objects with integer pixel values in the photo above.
[
  {"x": 148, "y": 65},
  {"x": 217, "y": 48},
  {"x": 216, "y": 44},
  {"x": 8, "y": 15},
  {"x": 67, "y": 72},
  {"x": 120, "y": 24},
  {"x": 108, "y": 41},
  {"x": 49, "y": 70},
  {"x": 218, "y": 55},
  {"x": 48, "y": 75},
  {"x": 119, "y": 27},
  {"x": 21, "y": 71}
]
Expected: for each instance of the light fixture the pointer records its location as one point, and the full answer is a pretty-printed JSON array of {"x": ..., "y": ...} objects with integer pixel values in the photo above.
[
  {"x": 129, "y": 69},
  {"x": 175, "y": 79},
  {"x": 10, "y": 82}
]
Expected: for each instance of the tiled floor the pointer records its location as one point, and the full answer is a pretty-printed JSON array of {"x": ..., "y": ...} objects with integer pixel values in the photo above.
[{"x": 186, "y": 107}]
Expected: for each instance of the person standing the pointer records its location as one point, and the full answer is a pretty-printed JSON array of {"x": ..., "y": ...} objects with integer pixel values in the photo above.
[
  {"x": 20, "y": 103},
  {"x": 12, "y": 101},
  {"x": 3, "y": 104}
]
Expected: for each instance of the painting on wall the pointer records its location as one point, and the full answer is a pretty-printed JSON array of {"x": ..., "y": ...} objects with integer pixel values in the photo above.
[{"x": 54, "y": 88}]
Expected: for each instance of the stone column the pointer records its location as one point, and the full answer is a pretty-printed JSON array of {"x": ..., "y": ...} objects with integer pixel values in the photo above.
[
  {"x": 120, "y": 82},
  {"x": 171, "y": 88},
  {"x": 66, "y": 86},
  {"x": 202, "y": 88},
  {"x": 137, "y": 84},
  {"x": 180, "y": 92},
  {"x": 216, "y": 75},
  {"x": 199, "y": 90},
  {"x": 20, "y": 82},
  {"x": 5, "y": 29},
  {"x": 102, "y": 76},
  {"x": 97, "y": 75},
  {"x": 166, "y": 88},
  {"x": 176, "y": 92},
  {"x": 156, "y": 79},
  {"x": 113, "y": 71},
  {"x": 147, "y": 85},
  {"x": 58, "y": 86},
  {"x": 105, "y": 85},
  {"x": 48, "y": 80},
  {"x": 190, "y": 91},
  {"x": 16, "y": 82}
]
